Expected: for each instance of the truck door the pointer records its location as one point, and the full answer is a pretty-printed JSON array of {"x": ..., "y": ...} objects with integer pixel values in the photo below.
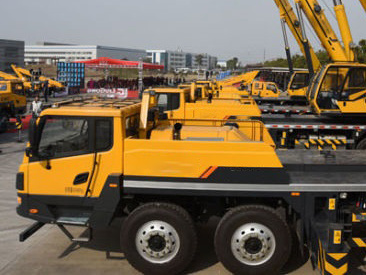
[
  {"x": 65, "y": 162},
  {"x": 257, "y": 88}
]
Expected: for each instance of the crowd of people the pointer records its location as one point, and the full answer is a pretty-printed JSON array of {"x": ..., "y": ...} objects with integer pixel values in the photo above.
[{"x": 132, "y": 84}]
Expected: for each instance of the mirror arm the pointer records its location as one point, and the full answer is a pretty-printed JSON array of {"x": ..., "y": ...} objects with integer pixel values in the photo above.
[{"x": 48, "y": 164}]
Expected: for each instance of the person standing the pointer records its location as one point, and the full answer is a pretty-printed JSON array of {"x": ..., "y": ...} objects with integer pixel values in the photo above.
[
  {"x": 36, "y": 107},
  {"x": 45, "y": 91}
]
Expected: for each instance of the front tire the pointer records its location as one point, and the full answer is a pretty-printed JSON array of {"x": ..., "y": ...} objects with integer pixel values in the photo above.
[
  {"x": 253, "y": 239},
  {"x": 159, "y": 238}
]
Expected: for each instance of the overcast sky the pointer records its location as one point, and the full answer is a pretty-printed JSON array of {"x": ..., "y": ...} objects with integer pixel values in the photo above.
[{"x": 225, "y": 28}]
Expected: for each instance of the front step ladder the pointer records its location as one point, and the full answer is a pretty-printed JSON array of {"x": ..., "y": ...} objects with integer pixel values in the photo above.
[{"x": 80, "y": 221}]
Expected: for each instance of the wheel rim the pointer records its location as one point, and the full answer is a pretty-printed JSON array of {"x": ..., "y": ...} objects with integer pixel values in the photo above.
[
  {"x": 253, "y": 244},
  {"x": 157, "y": 242}
]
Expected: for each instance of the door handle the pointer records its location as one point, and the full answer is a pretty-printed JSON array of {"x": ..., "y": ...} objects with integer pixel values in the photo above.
[{"x": 81, "y": 178}]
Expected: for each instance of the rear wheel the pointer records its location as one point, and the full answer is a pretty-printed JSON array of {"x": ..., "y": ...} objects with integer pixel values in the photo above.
[
  {"x": 159, "y": 238},
  {"x": 361, "y": 145},
  {"x": 253, "y": 240}
]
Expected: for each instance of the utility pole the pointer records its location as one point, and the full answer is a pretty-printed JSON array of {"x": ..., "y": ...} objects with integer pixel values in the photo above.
[{"x": 141, "y": 76}]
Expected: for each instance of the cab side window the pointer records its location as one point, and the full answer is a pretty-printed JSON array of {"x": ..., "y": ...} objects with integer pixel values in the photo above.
[
  {"x": 63, "y": 137},
  {"x": 271, "y": 87},
  {"x": 169, "y": 101},
  {"x": 104, "y": 134},
  {"x": 3, "y": 87},
  {"x": 132, "y": 125}
]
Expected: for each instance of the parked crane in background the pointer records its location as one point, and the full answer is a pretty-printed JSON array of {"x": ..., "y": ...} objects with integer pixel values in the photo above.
[
  {"x": 36, "y": 80},
  {"x": 299, "y": 80}
]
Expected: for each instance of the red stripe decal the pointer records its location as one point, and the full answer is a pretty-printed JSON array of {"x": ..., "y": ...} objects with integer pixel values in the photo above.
[{"x": 208, "y": 172}]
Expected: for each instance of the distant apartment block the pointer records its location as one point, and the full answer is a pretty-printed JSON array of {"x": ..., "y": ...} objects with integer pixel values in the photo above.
[
  {"x": 11, "y": 52},
  {"x": 173, "y": 60},
  {"x": 51, "y": 53}
]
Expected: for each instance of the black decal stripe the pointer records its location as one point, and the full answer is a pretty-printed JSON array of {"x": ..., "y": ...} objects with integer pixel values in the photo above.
[{"x": 229, "y": 175}]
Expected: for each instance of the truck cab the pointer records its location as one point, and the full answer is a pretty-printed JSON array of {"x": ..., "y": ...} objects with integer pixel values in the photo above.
[
  {"x": 339, "y": 89},
  {"x": 12, "y": 99},
  {"x": 264, "y": 89},
  {"x": 195, "y": 102},
  {"x": 82, "y": 152},
  {"x": 298, "y": 84},
  {"x": 12, "y": 102}
]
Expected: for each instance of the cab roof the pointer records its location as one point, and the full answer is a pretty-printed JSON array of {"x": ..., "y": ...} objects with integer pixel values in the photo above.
[
  {"x": 95, "y": 107},
  {"x": 170, "y": 90}
]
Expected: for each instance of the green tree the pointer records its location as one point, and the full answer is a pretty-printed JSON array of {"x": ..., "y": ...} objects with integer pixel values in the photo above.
[
  {"x": 147, "y": 60},
  {"x": 299, "y": 60},
  {"x": 360, "y": 51},
  {"x": 232, "y": 64}
]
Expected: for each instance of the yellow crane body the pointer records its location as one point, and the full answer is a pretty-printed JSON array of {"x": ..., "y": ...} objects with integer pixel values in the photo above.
[
  {"x": 345, "y": 31},
  {"x": 323, "y": 29}
]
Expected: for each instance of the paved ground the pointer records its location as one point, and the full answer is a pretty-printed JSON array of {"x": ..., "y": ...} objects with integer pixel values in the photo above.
[{"x": 50, "y": 252}]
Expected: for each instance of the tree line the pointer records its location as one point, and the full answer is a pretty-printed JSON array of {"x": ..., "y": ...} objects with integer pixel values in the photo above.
[{"x": 299, "y": 61}]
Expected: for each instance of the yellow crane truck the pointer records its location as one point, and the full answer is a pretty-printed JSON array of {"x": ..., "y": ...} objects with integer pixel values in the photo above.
[
  {"x": 91, "y": 161},
  {"x": 197, "y": 102},
  {"x": 212, "y": 87},
  {"x": 12, "y": 102},
  {"x": 245, "y": 85}
]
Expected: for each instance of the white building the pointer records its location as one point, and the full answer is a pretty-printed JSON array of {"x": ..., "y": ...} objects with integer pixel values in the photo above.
[
  {"x": 48, "y": 53},
  {"x": 222, "y": 63},
  {"x": 208, "y": 62},
  {"x": 173, "y": 60}
]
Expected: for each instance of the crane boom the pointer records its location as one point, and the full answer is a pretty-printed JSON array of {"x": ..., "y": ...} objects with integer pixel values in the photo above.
[
  {"x": 344, "y": 29},
  {"x": 323, "y": 29},
  {"x": 5, "y": 76},
  {"x": 287, "y": 13},
  {"x": 23, "y": 74}
]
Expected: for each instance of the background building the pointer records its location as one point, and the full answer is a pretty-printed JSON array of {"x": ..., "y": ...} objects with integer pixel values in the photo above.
[
  {"x": 173, "y": 60},
  {"x": 222, "y": 63},
  {"x": 11, "y": 52},
  {"x": 50, "y": 53}
]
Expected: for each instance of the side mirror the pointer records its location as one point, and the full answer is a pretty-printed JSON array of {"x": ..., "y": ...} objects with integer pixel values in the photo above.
[{"x": 32, "y": 133}]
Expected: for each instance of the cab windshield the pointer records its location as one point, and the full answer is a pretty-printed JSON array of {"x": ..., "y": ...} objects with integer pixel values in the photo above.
[
  {"x": 314, "y": 83},
  {"x": 299, "y": 80},
  {"x": 340, "y": 83}
]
